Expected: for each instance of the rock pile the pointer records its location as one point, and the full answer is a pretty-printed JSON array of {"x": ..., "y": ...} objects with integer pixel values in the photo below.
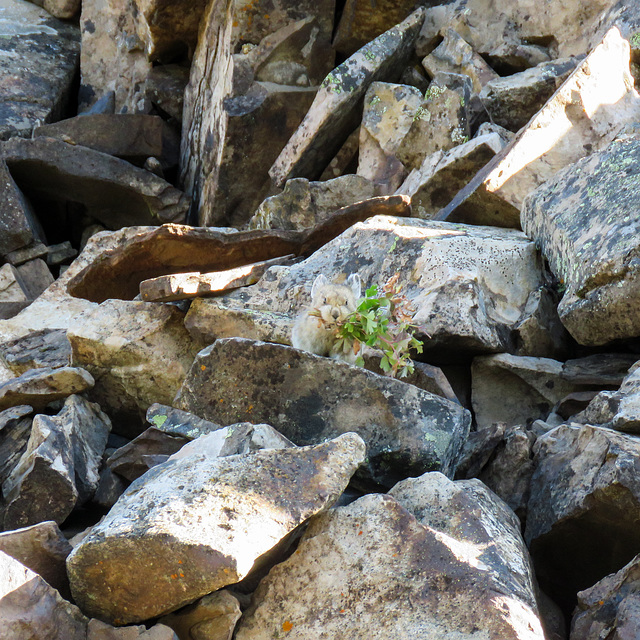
[{"x": 171, "y": 467}]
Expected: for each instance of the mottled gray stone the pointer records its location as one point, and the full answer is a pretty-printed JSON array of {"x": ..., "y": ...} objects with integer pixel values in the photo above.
[
  {"x": 309, "y": 398},
  {"x": 15, "y": 427},
  {"x": 16, "y": 216},
  {"x": 195, "y": 524}
]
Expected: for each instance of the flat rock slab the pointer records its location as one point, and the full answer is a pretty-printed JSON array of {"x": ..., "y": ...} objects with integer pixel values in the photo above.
[
  {"x": 309, "y": 398},
  {"x": 39, "y": 387},
  {"x": 115, "y": 192},
  {"x": 329, "y": 119},
  {"x": 585, "y": 492},
  {"x": 406, "y": 568},
  {"x": 196, "y": 524},
  {"x": 38, "y": 62},
  {"x": 37, "y": 350},
  {"x": 187, "y": 286},
  {"x": 584, "y": 220}
]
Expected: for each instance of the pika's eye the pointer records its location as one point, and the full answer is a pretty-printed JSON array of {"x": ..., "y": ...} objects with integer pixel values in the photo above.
[{"x": 324, "y": 300}]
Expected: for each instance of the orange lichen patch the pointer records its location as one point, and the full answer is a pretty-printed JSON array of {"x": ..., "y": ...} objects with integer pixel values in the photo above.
[
  {"x": 287, "y": 626},
  {"x": 202, "y": 367},
  {"x": 359, "y": 533}
]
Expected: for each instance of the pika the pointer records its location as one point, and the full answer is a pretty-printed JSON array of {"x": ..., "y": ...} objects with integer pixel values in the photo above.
[{"x": 315, "y": 329}]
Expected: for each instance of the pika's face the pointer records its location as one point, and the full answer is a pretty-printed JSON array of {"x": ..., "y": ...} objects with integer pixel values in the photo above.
[{"x": 334, "y": 302}]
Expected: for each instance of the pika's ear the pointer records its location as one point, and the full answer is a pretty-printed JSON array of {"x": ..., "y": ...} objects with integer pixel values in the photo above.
[
  {"x": 320, "y": 281},
  {"x": 354, "y": 282}
]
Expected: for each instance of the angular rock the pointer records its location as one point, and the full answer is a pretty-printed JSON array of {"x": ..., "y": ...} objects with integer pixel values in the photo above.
[
  {"x": 15, "y": 428},
  {"x": 30, "y": 252},
  {"x": 113, "y": 191},
  {"x": 607, "y": 370},
  {"x": 165, "y": 89},
  {"x": 30, "y": 608},
  {"x": 16, "y": 218},
  {"x": 12, "y": 288},
  {"x": 39, "y": 387},
  {"x": 304, "y": 204},
  {"x": 441, "y": 175},
  {"x": 516, "y": 389},
  {"x": 440, "y": 123},
  {"x": 213, "y": 617},
  {"x": 132, "y": 137},
  {"x": 591, "y": 253},
  {"x": 330, "y": 118},
  {"x": 97, "y": 630},
  {"x": 609, "y": 607},
  {"x": 60, "y": 253},
  {"x": 139, "y": 353},
  {"x": 35, "y": 277},
  {"x": 407, "y": 430},
  {"x": 187, "y": 286},
  {"x": 468, "y": 284},
  {"x": 512, "y": 101},
  {"x": 43, "y": 549},
  {"x": 181, "y": 423},
  {"x": 377, "y": 569},
  {"x": 38, "y": 350},
  {"x": 584, "y": 494},
  {"x": 38, "y": 62},
  {"x": 155, "y": 520},
  {"x": 345, "y": 160},
  {"x": 389, "y": 110},
  {"x": 63, "y": 9},
  {"x": 454, "y": 55}
]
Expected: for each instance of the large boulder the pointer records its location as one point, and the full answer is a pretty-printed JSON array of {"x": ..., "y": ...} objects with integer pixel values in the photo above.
[
  {"x": 197, "y": 523},
  {"x": 309, "y": 398},
  {"x": 434, "y": 559}
]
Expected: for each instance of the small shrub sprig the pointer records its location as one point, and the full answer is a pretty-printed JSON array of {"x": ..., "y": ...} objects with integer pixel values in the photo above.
[{"x": 383, "y": 320}]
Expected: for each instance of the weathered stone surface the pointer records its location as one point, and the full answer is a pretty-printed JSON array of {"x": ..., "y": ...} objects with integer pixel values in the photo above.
[
  {"x": 30, "y": 608},
  {"x": 35, "y": 277},
  {"x": 407, "y": 430},
  {"x": 441, "y": 122},
  {"x": 590, "y": 242},
  {"x": 186, "y": 286},
  {"x": 16, "y": 217},
  {"x": 15, "y": 427},
  {"x": 176, "y": 422},
  {"x": 61, "y": 253},
  {"x": 512, "y": 101},
  {"x": 345, "y": 160},
  {"x": 516, "y": 389},
  {"x": 132, "y": 137},
  {"x": 213, "y": 617},
  {"x": 584, "y": 494},
  {"x": 114, "y": 192},
  {"x": 63, "y": 9},
  {"x": 165, "y": 89},
  {"x": 454, "y": 55},
  {"x": 609, "y": 607},
  {"x": 468, "y": 284},
  {"x": 389, "y": 110},
  {"x": 248, "y": 502},
  {"x": 97, "y": 630},
  {"x": 12, "y": 288},
  {"x": 441, "y": 175},
  {"x": 39, "y": 387},
  {"x": 43, "y": 549},
  {"x": 329, "y": 120},
  {"x": 139, "y": 353},
  {"x": 377, "y": 569},
  {"x": 304, "y": 204},
  {"x": 30, "y": 252},
  {"x": 38, "y": 61}
]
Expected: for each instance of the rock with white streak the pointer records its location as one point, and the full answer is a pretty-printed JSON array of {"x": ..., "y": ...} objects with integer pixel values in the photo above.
[
  {"x": 249, "y": 504},
  {"x": 15, "y": 428}
]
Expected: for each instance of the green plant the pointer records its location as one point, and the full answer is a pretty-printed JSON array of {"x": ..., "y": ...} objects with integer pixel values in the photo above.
[{"x": 383, "y": 320}]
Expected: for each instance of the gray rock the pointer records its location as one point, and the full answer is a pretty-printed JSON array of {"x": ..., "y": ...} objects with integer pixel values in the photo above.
[
  {"x": 30, "y": 252},
  {"x": 179, "y": 423},
  {"x": 249, "y": 503},
  {"x": 30, "y": 608},
  {"x": 113, "y": 191},
  {"x": 17, "y": 221},
  {"x": 39, "y": 387},
  {"x": 425, "y": 563},
  {"x": 38, "y": 64},
  {"x": 165, "y": 88},
  {"x": 591, "y": 253},
  {"x": 330, "y": 118},
  {"x": 407, "y": 430},
  {"x": 37, "y": 350},
  {"x": 43, "y": 549},
  {"x": 60, "y": 253},
  {"x": 15, "y": 428},
  {"x": 610, "y": 606},
  {"x": 584, "y": 494},
  {"x": 35, "y": 277}
]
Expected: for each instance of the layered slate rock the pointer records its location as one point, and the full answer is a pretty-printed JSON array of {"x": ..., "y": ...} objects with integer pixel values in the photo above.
[
  {"x": 139, "y": 353},
  {"x": 584, "y": 494},
  {"x": 15, "y": 428},
  {"x": 309, "y": 398},
  {"x": 113, "y": 191},
  {"x": 585, "y": 223},
  {"x": 37, "y": 350},
  {"x": 434, "y": 559},
  {"x": 249, "y": 503},
  {"x": 330, "y": 118},
  {"x": 29, "y": 607},
  {"x": 610, "y": 606},
  {"x": 38, "y": 62},
  {"x": 469, "y": 285},
  {"x": 39, "y": 387}
]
